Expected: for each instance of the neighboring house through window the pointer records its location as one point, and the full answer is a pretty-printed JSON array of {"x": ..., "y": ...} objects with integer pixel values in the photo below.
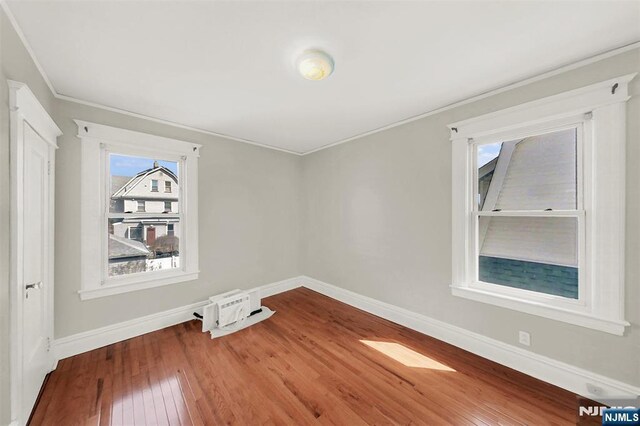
[
  {"x": 538, "y": 207},
  {"x": 128, "y": 250}
]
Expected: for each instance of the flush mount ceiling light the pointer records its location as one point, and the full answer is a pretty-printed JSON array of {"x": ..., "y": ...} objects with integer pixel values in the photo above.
[{"x": 315, "y": 65}]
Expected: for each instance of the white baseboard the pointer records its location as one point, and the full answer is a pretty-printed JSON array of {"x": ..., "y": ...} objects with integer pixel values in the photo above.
[
  {"x": 94, "y": 339},
  {"x": 281, "y": 286},
  {"x": 563, "y": 375},
  {"x": 560, "y": 374}
]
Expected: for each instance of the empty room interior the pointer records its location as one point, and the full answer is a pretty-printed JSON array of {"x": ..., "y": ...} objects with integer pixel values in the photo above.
[{"x": 319, "y": 212}]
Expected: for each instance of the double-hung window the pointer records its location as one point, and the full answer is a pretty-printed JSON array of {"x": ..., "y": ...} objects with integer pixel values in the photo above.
[
  {"x": 538, "y": 207},
  {"x": 133, "y": 236}
]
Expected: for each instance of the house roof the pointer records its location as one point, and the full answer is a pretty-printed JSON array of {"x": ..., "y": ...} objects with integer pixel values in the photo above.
[
  {"x": 120, "y": 247},
  {"x": 135, "y": 180},
  {"x": 118, "y": 182}
]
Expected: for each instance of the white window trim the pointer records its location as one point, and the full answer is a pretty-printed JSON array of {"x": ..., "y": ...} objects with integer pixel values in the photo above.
[
  {"x": 600, "y": 111},
  {"x": 97, "y": 140}
]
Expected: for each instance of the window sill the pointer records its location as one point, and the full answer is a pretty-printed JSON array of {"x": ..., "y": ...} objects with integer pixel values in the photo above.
[
  {"x": 111, "y": 289},
  {"x": 536, "y": 308}
]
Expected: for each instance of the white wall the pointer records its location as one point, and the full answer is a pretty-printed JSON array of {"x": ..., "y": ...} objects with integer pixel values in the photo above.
[{"x": 377, "y": 221}]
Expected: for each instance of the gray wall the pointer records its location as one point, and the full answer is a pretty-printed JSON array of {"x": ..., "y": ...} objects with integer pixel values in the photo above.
[
  {"x": 372, "y": 216},
  {"x": 248, "y": 207},
  {"x": 248, "y": 222},
  {"x": 377, "y": 221},
  {"x": 15, "y": 64}
]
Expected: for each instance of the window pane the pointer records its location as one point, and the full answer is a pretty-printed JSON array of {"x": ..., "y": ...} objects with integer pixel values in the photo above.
[
  {"x": 532, "y": 253},
  {"x": 534, "y": 173},
  {"x": 135, "y": 183},
  {"x": 143, "y": 244}
]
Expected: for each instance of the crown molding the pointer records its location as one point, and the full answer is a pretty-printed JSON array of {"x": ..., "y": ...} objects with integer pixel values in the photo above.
[
  {"x": 170, "y": 123},
  {"x": 27, "y": 46},
  {"x": 43, "y": 74},
  {"x": 483, "y": 95}
]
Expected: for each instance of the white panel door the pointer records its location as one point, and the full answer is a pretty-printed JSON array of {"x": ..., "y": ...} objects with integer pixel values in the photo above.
[{"x": 35, "y": 286}]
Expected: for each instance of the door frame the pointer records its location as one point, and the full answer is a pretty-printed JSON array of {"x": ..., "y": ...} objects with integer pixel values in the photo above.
[{"x": 26, "y": 110}]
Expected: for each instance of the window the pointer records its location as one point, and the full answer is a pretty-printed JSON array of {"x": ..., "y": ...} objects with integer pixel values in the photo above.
[
  {"x": 167, "y": 186},
  {"x": 133, "y": 247},
  {"x": 538, "y": 223},
  {"x": 143, "y": 249},
  {"x": 134, "y": 233},
  {"x": 522, "y": 186}
]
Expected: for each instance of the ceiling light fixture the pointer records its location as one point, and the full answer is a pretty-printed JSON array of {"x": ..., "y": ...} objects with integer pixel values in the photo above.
[{"x": 315, "y": 65}]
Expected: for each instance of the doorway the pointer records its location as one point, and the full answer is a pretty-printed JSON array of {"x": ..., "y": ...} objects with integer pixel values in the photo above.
[{"x": 33, "y": 143}]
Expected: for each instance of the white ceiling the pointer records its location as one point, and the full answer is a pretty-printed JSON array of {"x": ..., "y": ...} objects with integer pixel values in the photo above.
[{"x": 227, "y": 67}]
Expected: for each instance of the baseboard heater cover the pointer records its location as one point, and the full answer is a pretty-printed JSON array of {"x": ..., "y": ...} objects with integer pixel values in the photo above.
[{"x": 232, "y": 311}]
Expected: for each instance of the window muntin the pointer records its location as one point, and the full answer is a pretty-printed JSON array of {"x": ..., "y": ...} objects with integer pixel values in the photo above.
[
  {"x": 99, "y": 143},
  {"x": 526, "y": 216},
  {"x": 598, "y": 113},
  {"x": 538, "y": 254},
  {"x": 138, "y": 238}
]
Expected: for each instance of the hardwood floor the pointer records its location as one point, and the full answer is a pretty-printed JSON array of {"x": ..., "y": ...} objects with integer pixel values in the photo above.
[{"x": 307, "y": 364}]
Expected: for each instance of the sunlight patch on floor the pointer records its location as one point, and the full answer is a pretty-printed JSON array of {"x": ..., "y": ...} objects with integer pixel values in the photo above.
[{"x": 406, "y": 356}]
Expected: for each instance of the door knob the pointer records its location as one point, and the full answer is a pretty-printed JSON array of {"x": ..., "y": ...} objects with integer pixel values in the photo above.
[{"x": 34, "y": 286}]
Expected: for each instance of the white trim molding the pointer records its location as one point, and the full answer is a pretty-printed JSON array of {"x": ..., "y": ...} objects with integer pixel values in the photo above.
[
  {"x": 566, "y": 376},
  {"x": 598, "y": 113},
  {"x": 24, "y": 102},
  {"x": 559, "y": 70},
  {"x": 93, "y": 339},
  {"x": 26, "y": 113},
  {"x": 103, "y": 336},
  {"x": 97, "y": 142},
  {"x": 571, "y": 378}
]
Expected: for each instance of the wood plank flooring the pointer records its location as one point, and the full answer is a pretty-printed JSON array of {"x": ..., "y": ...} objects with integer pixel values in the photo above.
[{"x": 305, "y": 365}]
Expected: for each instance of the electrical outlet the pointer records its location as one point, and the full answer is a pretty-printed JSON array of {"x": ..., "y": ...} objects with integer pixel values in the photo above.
[{"x": 524, "y": 338}]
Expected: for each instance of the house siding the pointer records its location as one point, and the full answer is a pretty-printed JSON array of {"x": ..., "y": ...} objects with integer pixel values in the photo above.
[
  {"x": 541, "y": 174},
  {"x": 550, "y": 240}
]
